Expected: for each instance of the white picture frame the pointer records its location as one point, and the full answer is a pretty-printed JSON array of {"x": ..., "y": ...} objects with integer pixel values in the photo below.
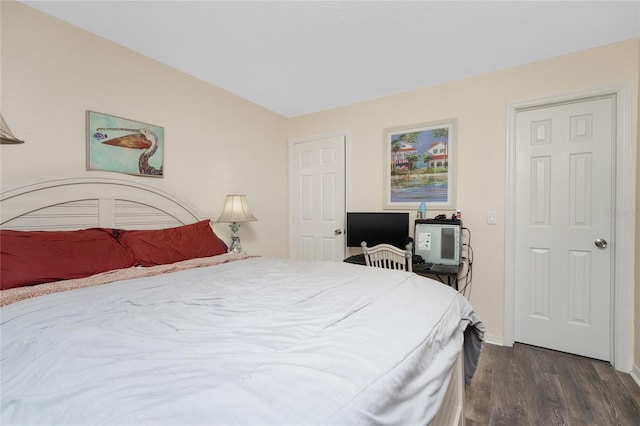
[{"x": 420, "y": 165}]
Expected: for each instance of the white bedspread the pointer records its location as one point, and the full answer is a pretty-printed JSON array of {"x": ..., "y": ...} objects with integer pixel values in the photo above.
[{"x": 253, "y": 342}]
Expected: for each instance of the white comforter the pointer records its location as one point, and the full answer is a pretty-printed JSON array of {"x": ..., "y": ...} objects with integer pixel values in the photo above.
[{"x": 252, "y": 342}]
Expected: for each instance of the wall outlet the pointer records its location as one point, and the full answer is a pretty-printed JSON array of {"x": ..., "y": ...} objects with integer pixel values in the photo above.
[{"x": 491, "y": 217}]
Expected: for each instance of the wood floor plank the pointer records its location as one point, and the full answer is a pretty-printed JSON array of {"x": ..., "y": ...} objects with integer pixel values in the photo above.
[
  {"x": 529, "y": 366},
  {"x": 526, "y": 385},
  {"x": 582, "y": 387},
  {"x": 477, "y": 409},
  {"x": 620, "y": 403},
  {"x": 630, "y": 385},
  {"x": 550, "y": 405},
  {"x": 508, "y": 399}
]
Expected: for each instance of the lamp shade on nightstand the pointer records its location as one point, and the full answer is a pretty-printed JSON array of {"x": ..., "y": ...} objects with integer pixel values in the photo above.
[{"x": 236, "y": 210}]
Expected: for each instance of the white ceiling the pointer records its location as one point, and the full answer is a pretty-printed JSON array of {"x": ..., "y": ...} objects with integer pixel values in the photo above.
[{"x": 297, "y": 57}]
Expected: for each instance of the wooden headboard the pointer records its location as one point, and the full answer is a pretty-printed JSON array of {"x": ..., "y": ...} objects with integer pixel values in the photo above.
[{"x": 93, "y": 201}]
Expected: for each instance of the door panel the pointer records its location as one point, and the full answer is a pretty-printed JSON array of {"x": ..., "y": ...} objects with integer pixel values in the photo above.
[
  {"x": 318, "y": 199},
  {"x": 563, "y": 201}
]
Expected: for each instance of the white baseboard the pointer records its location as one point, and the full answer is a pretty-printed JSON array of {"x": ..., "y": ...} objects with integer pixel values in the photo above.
[{"x": 493, "y": 339}]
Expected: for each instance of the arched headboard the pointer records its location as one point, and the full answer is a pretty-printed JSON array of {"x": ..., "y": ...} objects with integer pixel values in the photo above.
[{"x": 93, "y": 201}]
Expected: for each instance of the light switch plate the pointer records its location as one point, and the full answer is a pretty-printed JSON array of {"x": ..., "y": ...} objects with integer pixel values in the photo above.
[{"x": 491, "y": 217}]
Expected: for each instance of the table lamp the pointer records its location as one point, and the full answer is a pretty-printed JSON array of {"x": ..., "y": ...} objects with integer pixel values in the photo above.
[{"x": 236, "y": 210}]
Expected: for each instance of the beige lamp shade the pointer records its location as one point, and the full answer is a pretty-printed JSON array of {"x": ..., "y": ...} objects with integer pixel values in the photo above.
[{"x": 236, "y": 209}]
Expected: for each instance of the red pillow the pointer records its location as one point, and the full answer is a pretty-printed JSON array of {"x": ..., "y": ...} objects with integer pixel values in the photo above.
[
  {"x": 162, "y": 246},
  {"x": 35, "y": 257}
]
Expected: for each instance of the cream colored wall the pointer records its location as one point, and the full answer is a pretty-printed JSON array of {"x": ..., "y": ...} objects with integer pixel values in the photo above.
[
  {"x": 215, "y": 142},
  {"x": 480, "y": 105}
]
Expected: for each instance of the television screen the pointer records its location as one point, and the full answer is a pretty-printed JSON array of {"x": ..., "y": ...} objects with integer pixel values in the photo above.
[{"x": 376, "y": 228}]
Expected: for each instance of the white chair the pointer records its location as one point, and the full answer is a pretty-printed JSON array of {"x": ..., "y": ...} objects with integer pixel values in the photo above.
[{"x": 388, "y": 256}]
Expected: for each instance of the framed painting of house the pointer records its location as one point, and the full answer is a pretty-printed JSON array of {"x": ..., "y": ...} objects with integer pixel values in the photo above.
[
  {"x": 419, "y": 164},
  {"x": 121, "y": 145}
]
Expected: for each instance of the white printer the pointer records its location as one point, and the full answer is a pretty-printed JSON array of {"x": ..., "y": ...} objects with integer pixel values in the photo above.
[{"x": 438, "y": 241}]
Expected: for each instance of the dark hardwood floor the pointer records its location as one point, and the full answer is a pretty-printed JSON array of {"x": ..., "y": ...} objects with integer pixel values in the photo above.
[{"x": 527, "y": 385}]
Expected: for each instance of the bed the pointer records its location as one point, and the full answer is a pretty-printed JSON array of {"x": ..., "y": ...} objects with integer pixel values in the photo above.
[{"x": 197, "y": 336}]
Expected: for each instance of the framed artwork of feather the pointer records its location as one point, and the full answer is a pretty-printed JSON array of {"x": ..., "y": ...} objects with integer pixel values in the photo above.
[{"x": 121, "y": 145}]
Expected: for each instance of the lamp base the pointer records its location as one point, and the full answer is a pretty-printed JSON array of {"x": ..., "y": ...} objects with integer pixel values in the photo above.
[{"x": 235, "y": 246}]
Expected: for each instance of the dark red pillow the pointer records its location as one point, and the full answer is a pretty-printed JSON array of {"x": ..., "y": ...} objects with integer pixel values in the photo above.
[
  {"x": 162, "y": 246},
  {"x": 35, "y": 257}
]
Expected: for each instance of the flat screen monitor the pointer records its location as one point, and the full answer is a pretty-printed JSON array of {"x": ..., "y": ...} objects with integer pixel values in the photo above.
[{"x": 377, "y": 227}]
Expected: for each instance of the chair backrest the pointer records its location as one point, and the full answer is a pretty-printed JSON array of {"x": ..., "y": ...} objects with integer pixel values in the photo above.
[{"x": 388, "y": 256}]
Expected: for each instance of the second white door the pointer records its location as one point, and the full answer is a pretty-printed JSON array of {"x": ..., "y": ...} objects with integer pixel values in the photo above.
[
  {"x": 564, "y": 227},
  {"x": 318, "y": 199}
]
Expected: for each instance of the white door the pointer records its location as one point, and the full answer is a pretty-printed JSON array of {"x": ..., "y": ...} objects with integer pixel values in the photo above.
[
  {"x": 563, "y": 227},
  {"x": 318, "y": 199}
]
